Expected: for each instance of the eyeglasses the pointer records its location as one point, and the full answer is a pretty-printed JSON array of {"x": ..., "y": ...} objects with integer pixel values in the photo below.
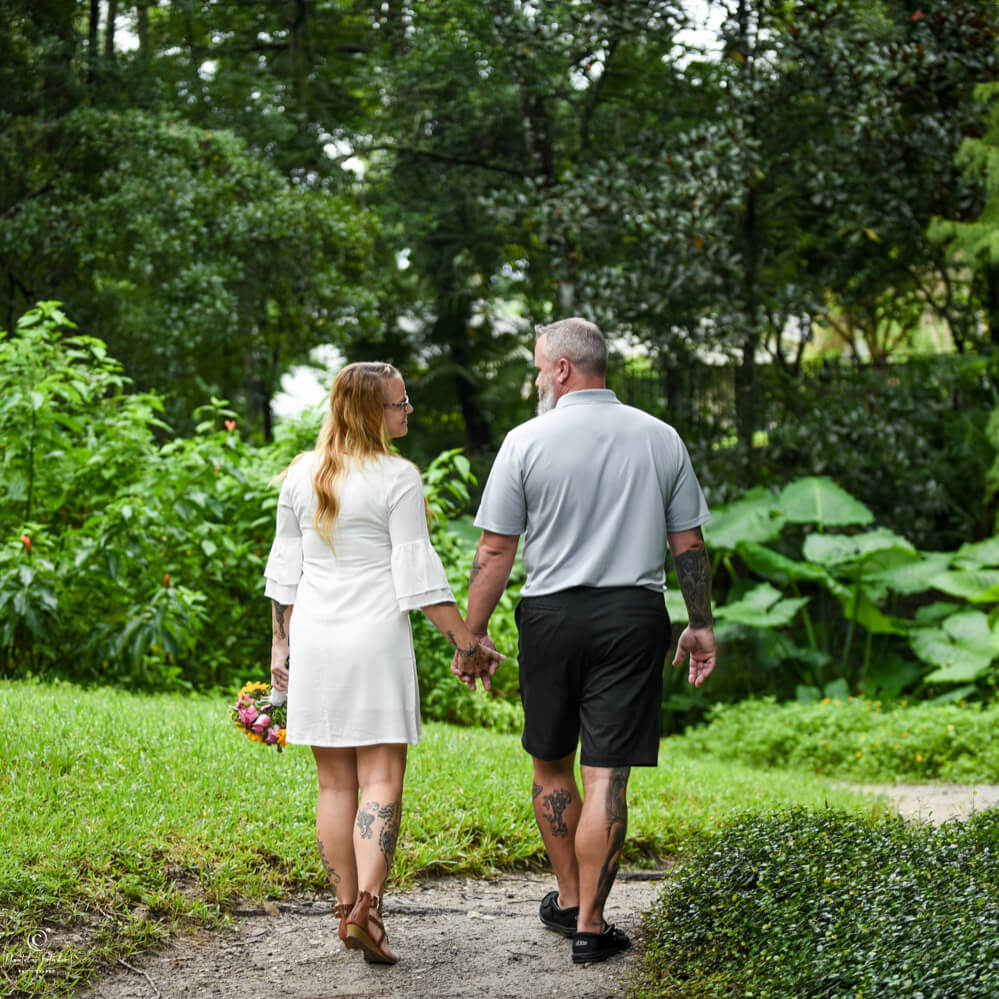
[{"x": 399, "y": 405}]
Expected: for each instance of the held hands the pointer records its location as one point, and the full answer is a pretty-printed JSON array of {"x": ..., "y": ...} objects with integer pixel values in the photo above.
[
  {"x": 700, "y": 644},
  {"x": 479, "y": 664}
]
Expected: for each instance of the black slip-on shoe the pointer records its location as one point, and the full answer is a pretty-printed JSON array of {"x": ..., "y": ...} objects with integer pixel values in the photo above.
[
  {"x": 590, "y": 947},
  {"x": 560, "y": 920}
]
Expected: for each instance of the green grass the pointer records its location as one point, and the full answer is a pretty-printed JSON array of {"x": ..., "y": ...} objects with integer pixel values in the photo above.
[{"x": 125, "y": 813}]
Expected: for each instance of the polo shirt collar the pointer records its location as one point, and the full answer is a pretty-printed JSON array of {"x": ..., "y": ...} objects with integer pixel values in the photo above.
[{"x": 586, "y": 397}]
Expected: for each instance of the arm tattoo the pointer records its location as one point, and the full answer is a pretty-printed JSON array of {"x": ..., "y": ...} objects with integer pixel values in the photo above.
[
  {"x": 331, "y": 874},
  {"x": 616, "y": 807},
  {"x": 693, "y": 573},
  {"x": 476, "y": 569},
  {"x": 279, "y": 610},
  {"x": 556, "y": 804}
]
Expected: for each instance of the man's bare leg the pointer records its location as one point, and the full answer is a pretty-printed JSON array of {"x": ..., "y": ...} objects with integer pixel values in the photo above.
[
  {"x": 557, "y": 807},
  {"x": 602, "y": 826}
]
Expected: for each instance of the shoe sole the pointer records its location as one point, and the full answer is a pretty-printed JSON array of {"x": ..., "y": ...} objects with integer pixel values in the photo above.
[
  {"x": 373, "y": 954},
  {"x": 559, "y": 928},
  {"x": 597, "y": 957}
]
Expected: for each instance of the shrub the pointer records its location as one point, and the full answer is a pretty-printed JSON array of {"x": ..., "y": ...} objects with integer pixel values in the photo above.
[
  {"x": 823, "y": 904},
  {"x": 855, "y": 737}
]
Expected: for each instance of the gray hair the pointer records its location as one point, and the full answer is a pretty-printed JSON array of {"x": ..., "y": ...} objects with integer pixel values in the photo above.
[{"x": 578, "y": 341}]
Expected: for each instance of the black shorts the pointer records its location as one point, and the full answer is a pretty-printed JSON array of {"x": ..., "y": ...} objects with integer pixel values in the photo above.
[{"x": 591, "y": 670}]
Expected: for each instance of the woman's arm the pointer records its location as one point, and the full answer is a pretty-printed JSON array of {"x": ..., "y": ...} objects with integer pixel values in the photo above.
[
  {"x": 280, "y": 624},
  {"x": 476, "y": 659}
]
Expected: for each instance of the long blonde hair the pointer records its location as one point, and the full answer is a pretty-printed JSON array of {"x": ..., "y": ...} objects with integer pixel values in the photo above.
[{"x": 355, "y": 426}]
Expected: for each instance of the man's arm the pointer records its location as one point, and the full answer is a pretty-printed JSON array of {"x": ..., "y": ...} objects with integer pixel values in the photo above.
[
  {"x": 486, "y": 582},
  {"x": 693, "y": 573}
]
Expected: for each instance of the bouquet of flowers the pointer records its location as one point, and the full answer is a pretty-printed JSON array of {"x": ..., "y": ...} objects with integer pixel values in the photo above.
[{"x": 261, "y": 715}]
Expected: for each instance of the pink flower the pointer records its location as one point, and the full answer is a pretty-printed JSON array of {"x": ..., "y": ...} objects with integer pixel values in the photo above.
[
  {"x": 248, "y": 714},
  {"x": 261, "y": 724},
  {"x": 230, "y": 425},
  {"x": 272, "y": 736}
]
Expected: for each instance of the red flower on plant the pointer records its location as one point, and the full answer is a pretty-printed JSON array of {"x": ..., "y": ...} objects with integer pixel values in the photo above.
[
  {"x": 166, "y": 580},
  {"x": 26, "y": 541},
  {"x": 918, "y": 16},
  {"x": 230, "y": 425}
]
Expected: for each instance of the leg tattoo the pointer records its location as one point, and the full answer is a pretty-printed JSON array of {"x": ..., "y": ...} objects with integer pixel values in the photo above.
[
  {"x": 536, "y": 789},
  {"x": 616, "y": 807},
  {"x": 389, "y": 835},
  {"x": 556, "y": 803},
  {"x": 331, "y": 874}
]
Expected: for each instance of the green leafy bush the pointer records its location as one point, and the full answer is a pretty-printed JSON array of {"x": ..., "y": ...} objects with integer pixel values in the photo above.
[
  {"x": 130, "y": 560},
  {"x": 823, "y": 904},
  {"x": 854, "y": 737}
]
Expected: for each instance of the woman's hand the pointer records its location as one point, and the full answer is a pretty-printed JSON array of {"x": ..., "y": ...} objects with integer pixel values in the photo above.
[{"x": 476, "y": 663}]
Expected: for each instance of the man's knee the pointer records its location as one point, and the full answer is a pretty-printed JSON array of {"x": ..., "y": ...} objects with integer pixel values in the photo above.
[{"x": 554, "y": 771}]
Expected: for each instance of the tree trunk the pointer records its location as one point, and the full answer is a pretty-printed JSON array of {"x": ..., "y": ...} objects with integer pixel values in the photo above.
[
  {"x": 451, "y": 330},
  {"x": 93, "y": 40},
  {"x": 109, "y": 30}
]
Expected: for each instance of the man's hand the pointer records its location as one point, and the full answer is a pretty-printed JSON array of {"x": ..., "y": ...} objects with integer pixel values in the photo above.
[
  {"x": 461, "y": 667},
  {"x": 699, "y": 643}
]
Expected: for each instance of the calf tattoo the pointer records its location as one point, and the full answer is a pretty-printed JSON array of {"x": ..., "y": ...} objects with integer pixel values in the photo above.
[
  {"x": 556, "y": 804},
  {"x": 388, "y": 833},
  {"x": 693, "y": 573},
  {"x": 331, "y": 874},
  {"x": 536, "y": 789},
  {"x": 616, "y": 807}
]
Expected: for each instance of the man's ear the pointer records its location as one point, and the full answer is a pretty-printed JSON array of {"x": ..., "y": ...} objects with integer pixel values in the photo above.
[{"x": 564, "y": 370}]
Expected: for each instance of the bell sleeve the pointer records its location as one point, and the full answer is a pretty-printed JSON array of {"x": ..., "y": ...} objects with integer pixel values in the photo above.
[
  {"x": 284, "y": 564},
  {"x": 417, "y": 571}
]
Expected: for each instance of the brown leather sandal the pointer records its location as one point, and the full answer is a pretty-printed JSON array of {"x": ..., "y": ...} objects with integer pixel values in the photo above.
[
  {"x": 366, "y": 930},
  {"x": 342, "y": 910}
]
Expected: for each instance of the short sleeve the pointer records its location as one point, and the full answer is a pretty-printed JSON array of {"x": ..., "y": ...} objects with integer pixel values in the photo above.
[
  {"x": 503, "y": 508},
  {"x": 284, "y": 564},
  {"x": 686, "y": 506},
  {"x": 417, "y": 571}
]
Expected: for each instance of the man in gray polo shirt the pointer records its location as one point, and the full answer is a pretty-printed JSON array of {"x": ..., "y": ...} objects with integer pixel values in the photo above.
[{"x": 599, "y": 490}]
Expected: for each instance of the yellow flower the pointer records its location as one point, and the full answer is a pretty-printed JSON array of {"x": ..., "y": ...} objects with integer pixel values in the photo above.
[
  {"x": 858, "y": 754},
  {"x": 282, "y": 738},
  {"x": 919, "y": 757}
]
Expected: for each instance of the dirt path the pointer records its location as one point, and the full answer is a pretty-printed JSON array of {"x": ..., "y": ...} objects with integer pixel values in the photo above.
[{"x": 456, "y": 937}]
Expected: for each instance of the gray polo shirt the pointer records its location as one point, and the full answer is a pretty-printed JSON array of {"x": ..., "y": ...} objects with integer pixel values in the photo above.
[{"x": 595, "y": 486}]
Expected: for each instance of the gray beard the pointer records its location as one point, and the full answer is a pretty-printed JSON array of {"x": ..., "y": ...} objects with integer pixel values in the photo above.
[{"x": 546, "y": 400}]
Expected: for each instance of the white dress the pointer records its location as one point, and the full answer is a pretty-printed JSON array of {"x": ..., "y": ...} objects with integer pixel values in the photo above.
[{"x": 352, "y": 678}]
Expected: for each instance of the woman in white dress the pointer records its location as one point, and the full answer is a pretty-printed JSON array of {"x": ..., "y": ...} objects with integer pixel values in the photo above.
[{"x": 351, "y": 558}]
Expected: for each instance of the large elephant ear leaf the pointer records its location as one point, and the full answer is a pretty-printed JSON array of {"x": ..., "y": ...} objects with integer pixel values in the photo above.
[
  {"x": 818, "y": 500},
  {"x": 753, "y": 518}
]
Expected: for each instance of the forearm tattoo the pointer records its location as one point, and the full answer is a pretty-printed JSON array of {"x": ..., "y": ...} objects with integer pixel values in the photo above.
[
  {"x": 461, "y": 652},
  {"x": 279, "y": 628},
  {"x": 555, "y": 805},
  {"x": 693, "y": 573},
  {"x": 476, "y": 569},
  {"x": 616, "y": 807},
  {"x": 331, "y": 874}
]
